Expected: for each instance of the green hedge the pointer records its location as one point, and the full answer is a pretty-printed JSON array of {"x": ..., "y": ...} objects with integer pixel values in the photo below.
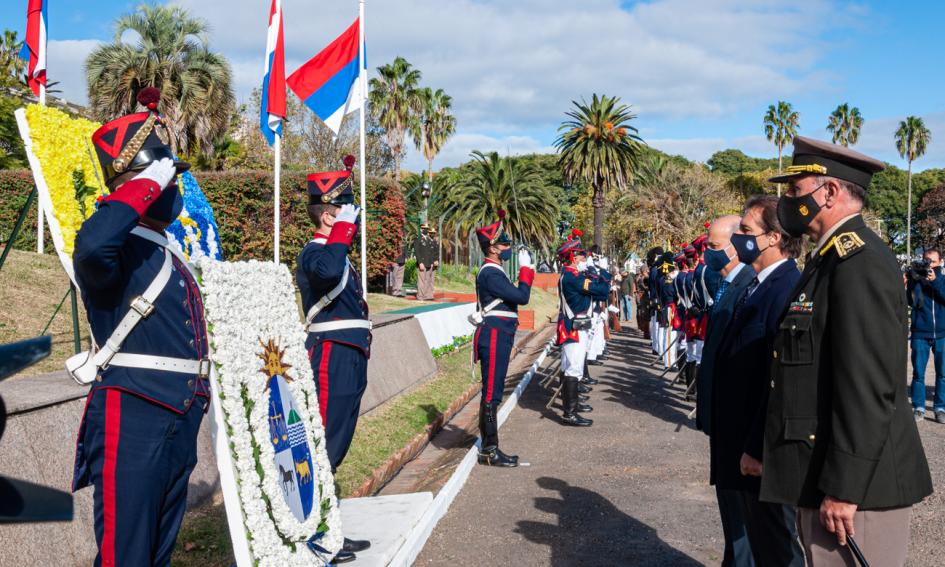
[
  {"x": 15, "y": 187},
  {"x": 242, "y": 203}
]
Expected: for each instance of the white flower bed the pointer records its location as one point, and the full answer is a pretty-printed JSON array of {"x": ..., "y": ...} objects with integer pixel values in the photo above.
[{"x": 249, "y": 304}]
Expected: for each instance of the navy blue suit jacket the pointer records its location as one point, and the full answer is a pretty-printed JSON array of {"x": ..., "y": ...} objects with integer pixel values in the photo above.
[
  {"x": 742, "y": 376},
  {"x": 719, "y": 318}
]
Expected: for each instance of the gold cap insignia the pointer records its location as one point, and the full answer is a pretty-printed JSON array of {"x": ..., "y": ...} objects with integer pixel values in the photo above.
[
  {"x": 810, "y": 168},
  {"x": 804, "y": 210}
]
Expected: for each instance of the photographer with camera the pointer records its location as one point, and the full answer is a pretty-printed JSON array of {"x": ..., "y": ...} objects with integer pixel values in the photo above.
[{"x": 925, "y": 283}]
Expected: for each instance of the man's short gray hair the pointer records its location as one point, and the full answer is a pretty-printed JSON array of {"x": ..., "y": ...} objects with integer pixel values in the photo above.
[{"x": 858, "y": 193}]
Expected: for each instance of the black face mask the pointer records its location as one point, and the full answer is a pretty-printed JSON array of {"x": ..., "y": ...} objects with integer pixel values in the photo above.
[{"x": 796, "y": 213}]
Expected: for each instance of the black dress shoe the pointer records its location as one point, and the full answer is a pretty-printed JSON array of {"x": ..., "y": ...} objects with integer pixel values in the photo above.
[
  {"x": 583, "y": 408},
  {"x": 591, "y": 381},
  {"x": 343, "y": 557},
  {"x": 582, "y": 389},
  {"x": 496, "y": 458},
  {"x": 576, "y": 420},
  {"x": 355, "y": 545},
  {"x": 583, "y": 397},
  {"x": 594, "y": 363}
]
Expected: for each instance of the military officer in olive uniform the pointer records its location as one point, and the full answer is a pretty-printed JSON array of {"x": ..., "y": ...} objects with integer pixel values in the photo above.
[
  {"x": 427, "y": 262},
  {"x": 840, "y": 441}
]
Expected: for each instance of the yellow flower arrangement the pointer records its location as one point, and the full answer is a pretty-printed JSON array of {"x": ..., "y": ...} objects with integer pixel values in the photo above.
[{"x": 63, "y": 146}]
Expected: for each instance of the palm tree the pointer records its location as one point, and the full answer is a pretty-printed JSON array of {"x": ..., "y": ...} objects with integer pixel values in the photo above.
[
  {"x": 599, "y": 146},
  {"x": 394, "y": 101},
  {"x": 433, "y": 125},
  {"x": 12, "y": 65},
  {"x": 912, "y": 138},
  {"x": 171, "y": 54},
  {"x": 845, "y": 123},
  {"x": 781, "y": 123},
  {"x": 474, "y": 196}
]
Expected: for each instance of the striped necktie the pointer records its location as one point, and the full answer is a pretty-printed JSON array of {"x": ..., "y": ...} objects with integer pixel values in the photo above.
[{"x": 720, "y": 292}]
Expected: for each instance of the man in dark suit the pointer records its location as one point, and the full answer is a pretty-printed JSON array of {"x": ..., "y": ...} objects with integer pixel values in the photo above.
[
  {"x": 740, "y": 393},
  {"x": 840, "y": 441},
  {"x": 720, "y": 256}
]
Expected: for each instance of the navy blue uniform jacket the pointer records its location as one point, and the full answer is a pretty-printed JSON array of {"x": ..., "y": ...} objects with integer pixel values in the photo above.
[
  {"x": 578, "y": 291},
  {"x": 492, "y": 284},
  {"x": 321, "y": 266}
]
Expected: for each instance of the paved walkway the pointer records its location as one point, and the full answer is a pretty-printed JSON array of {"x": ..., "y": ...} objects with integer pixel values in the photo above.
[{"x": 631, "y": 490}]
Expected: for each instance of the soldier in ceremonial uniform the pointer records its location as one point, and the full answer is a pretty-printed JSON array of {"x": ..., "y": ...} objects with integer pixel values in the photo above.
[
  {"x": 577, "y": 293},
  {"x": 840, "y": 441},
  {"x": 336, "y": 316},
  {"x": 498, "y": 300},
  {"x": 653, "y": 258},
  {"x": 137, "y": 444}
]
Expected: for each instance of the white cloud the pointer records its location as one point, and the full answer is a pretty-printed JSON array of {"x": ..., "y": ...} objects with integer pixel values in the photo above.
[
  {"x": 66, "y": 64},
  {"x": 878, "y": 139},
  {"x": 514, "y": 67}
]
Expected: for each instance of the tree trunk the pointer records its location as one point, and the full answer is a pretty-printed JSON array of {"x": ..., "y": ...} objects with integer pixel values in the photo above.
[
  {"x": 780, "y": 151},
  {"x": 598, "y": 202},
  {"x": 909, "y": 215}
]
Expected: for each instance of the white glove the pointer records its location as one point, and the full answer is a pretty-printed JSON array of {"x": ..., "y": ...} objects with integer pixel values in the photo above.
[
  {"x": 603, "y": 263},
  {"x": 524, "y": 259},
  {"x": 349, "y": 213},
  {"x": 161, "y": 172}
]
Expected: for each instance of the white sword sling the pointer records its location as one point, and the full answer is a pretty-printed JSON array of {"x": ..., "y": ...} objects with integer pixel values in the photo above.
[
  {"x": 85, "y": 366},
  {"x": 324, "y": 302}
]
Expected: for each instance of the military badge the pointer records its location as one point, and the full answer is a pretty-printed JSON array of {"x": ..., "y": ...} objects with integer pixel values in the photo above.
[{"x": 848, "y": 243}]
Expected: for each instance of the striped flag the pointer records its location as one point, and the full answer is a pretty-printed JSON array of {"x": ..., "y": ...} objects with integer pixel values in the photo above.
[
  {"x": 34, "y": 48},
  {"x": 328, "y": 83},
  {"x": 272, "y": 109}
]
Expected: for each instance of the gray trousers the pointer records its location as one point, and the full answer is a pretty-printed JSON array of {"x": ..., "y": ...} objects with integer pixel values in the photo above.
[
  {"x": 425, "y": 283},
  {"x": 882, "y": 535},
  {"x": 397, "y": 283}
]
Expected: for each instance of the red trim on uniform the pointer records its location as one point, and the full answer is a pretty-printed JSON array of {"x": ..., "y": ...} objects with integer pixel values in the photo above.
[
  {"x": 341, "y": 233},
  {"x": 491, "y": 382},
  {"x": 112, "y": 433},
  {"x": 139, "y": 194},
  {"x": 526, "y": 275},
  {"x": 120, "y": 127},
  {"x": 323, "y": 383}
]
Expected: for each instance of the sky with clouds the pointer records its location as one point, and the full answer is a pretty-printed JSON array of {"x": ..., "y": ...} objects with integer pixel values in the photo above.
[{"x": 698, "y": 73}]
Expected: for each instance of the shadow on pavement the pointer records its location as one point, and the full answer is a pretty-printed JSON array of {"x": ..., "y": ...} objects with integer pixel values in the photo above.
[
  {"x": 591, "y": 531},
  {"x": 637, "y": 386}
]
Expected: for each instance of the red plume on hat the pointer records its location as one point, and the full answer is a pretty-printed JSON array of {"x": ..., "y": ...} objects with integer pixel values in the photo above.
[
  {"x": 349, "y": 161},
  {"x": 149, "y": 97}
]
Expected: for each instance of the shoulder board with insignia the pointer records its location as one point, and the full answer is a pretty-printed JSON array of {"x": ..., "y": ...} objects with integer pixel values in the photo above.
[{"x": 846, "y": 244}]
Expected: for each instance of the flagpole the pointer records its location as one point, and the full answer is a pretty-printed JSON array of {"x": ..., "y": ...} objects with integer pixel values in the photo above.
[
  {"x": 40, "y": 228},
  {"x": 277, "y": 149},
  {"x": 362, "y": 78}
]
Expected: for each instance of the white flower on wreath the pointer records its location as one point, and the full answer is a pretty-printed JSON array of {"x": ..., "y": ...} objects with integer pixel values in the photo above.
[{"x": 247, "y": 302}]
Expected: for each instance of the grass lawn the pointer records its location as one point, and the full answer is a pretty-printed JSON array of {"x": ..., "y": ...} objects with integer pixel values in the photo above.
[{"x": 31, "y": 286}]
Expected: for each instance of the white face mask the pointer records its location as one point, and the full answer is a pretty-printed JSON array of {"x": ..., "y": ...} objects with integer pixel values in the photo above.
[{"x": 582, "y": 265}]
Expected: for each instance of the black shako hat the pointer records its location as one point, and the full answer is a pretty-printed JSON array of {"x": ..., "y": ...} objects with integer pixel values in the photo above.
[
  {"x": 493, "y": 233},
  {"x": 134, "y": 141},
  {"x": 332, "y": 187},
  {"x": 816, "y": 157}
]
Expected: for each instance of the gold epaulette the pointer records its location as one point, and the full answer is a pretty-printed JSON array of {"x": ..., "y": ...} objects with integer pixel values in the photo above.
[{"x": 846, "y": 244}]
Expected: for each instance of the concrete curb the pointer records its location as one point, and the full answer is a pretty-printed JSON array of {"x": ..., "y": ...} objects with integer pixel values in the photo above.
[{"x": 418, "y": 536}]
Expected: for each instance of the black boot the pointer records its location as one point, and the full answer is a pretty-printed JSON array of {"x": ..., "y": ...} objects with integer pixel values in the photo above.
[
  {"x": 587, "y": 375},
  {"x": 583, "y": 397},
  {"x": 355, "y": 545},
  {"x": 583, "y": 408},
  {"x": 584, "y": 389},
  {"x": 570, "y": 401},
  {"x": 489, "y": 453}
]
